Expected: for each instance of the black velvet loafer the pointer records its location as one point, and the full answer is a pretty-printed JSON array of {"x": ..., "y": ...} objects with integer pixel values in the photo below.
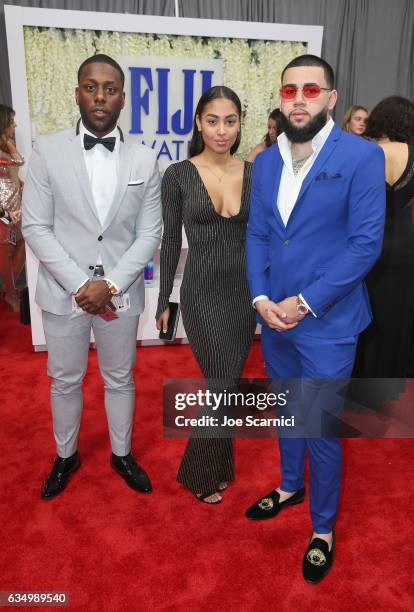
[
  {"x": 57, "y": 480},
  {"x": 269, "y": 506},
  {"x": 133, "y": 474},
  {"x": 318, "y": 560}
]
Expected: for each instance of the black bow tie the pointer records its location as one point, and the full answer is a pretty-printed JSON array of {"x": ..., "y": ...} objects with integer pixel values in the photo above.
[{"x": 89, "y": 142}]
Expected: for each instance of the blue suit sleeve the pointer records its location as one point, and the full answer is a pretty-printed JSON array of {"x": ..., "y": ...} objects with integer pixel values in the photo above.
[{"x": 257, "y": 239}]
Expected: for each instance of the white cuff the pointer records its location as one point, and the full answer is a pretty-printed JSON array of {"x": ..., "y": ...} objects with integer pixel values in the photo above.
[
  {"x": 259, "y": 297},
  {"x": 307, "y": 305}
]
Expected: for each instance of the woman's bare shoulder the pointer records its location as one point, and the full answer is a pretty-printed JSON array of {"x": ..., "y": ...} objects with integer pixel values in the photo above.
[{"x": 257, "y": 149}]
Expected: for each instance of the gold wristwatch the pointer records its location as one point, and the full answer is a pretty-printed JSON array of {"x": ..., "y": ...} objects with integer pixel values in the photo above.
[
  {"x": 301, "y": 306},
  {"x": 112, "y": 289}
]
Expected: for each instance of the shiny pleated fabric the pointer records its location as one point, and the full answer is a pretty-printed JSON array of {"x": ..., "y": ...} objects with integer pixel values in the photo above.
[
  {"x": 10, "y": 194},
  {"x": 218, "y": 316}
]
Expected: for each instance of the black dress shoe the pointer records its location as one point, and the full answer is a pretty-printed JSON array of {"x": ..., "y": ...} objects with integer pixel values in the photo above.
[
  {"x": 59, "y": 476},
  {"x": 131, "y": 472},
  {"x": 318, "y": 560},
  {"x": 269, "y": 506}
]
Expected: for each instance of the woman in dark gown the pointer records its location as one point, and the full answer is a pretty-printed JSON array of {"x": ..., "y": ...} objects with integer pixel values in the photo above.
[
  {"x": 209, "y": 193},
  {"x": 385, "y": 349}
]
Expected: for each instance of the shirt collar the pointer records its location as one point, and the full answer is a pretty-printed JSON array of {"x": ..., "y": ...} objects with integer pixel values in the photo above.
[
  {"x": 114, "y": 133},
  {"x": 317, "y": 141}
]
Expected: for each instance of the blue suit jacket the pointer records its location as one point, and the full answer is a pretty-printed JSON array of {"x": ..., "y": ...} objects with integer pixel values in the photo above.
[{"x": 332, "y": 239}]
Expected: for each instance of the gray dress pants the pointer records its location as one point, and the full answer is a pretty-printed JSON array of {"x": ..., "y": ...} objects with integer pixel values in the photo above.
[{"x": 68, "y": 338}]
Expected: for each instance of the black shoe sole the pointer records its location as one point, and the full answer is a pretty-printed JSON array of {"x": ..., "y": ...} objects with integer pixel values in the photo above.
[
  {"x": 74, "y": 469},
  {"x": 285, "y": 505}
]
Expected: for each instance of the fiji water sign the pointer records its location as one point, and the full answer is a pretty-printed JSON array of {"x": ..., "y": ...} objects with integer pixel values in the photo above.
[{"x": 161, "y": 97}]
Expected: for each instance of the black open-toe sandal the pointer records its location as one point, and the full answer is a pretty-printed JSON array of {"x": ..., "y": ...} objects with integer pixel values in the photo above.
[{"x": 203, "y": 497}]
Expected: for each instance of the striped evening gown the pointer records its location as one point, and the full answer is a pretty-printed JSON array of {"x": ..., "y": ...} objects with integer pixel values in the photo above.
[{"x": 218, "y": 316}]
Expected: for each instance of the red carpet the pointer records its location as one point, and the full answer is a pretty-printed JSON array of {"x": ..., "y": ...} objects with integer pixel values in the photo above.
[{"x": 115, "y": 550}]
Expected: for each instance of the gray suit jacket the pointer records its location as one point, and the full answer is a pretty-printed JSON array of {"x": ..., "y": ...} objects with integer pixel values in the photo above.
[{"x": 61, "y": 225}]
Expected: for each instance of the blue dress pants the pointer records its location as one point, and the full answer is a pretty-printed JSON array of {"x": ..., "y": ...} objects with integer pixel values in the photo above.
[{"x": 316, "y": 369}]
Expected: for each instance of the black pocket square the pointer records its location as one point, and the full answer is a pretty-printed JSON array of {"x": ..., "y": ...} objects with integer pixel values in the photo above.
[{"x": 324, "y": 176}]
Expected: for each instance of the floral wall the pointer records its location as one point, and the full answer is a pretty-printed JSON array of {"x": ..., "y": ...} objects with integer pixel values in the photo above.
[{"x": 251, "y": 67}]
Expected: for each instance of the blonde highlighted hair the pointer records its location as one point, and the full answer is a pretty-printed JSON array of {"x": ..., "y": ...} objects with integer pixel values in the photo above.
[
  {"x": 6, "y": 118},
  {"x": 349, "y": 113}
]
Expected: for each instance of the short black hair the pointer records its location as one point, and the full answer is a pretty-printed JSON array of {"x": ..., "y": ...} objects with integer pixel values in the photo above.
[
  {"x": 103, "y": 59},
  {"x": 392, "y": 117},
  {"x": 313, "y": 60},
  {"x": 214, "y": 93}
]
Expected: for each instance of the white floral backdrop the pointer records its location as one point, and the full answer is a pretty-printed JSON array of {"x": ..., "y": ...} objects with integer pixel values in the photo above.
[{"x": 251, "y": 67}]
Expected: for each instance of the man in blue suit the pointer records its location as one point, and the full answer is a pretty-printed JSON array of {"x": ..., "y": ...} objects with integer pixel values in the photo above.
[{"x": 315, "y": 229}]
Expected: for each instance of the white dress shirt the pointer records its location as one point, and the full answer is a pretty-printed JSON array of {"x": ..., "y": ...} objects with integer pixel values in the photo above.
[
  {"x": 290, "y": 185},
  {"x": 102, "y": 167}
]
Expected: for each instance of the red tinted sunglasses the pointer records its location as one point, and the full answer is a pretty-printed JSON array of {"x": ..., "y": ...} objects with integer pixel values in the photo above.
[{"x": 310, "y": 90}]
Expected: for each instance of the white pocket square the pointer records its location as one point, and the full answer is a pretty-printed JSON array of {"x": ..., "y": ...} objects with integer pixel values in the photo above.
[{"x": 137, "y": 182}]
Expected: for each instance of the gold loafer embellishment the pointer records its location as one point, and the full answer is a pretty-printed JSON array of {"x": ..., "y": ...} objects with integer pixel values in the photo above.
[
  {"x": 316, "y": 557},
  {"x": 266, "y": 503}
]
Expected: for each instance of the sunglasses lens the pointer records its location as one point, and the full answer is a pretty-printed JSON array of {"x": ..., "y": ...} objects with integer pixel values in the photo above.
[
  {"x": 288, "y": 92},
  {"x": 311, "y": 91}
]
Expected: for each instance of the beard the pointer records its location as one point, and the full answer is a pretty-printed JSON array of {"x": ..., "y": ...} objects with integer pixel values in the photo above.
[
  {"x": 308, "y": 131},
  {"x": 100, "y": 126}
]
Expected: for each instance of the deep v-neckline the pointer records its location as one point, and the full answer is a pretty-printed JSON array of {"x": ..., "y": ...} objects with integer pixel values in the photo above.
[{"x": 210, "y": 198}]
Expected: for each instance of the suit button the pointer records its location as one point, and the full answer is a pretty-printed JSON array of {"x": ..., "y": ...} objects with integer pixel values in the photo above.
[
  {"x": 286, "y": 242},
  {"x": 100, "y": 238},
  {"x": 91, "y": 267}
]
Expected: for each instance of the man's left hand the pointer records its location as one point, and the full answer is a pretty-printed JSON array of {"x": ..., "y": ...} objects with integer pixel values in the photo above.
[
  {"x": 289, "y": 306},
  {"x": 92, "y": 297}
]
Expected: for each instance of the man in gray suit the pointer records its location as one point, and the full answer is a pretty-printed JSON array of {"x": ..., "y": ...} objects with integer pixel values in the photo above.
[{"x": 92, "y": 216}]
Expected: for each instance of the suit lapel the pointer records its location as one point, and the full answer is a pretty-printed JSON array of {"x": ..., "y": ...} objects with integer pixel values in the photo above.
[
  {"x": 323, "y": 156},
  {"x": 76, "y": 155},
  {"x": 276, "y": 175},
  {"x": 126, "y": 157}
]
